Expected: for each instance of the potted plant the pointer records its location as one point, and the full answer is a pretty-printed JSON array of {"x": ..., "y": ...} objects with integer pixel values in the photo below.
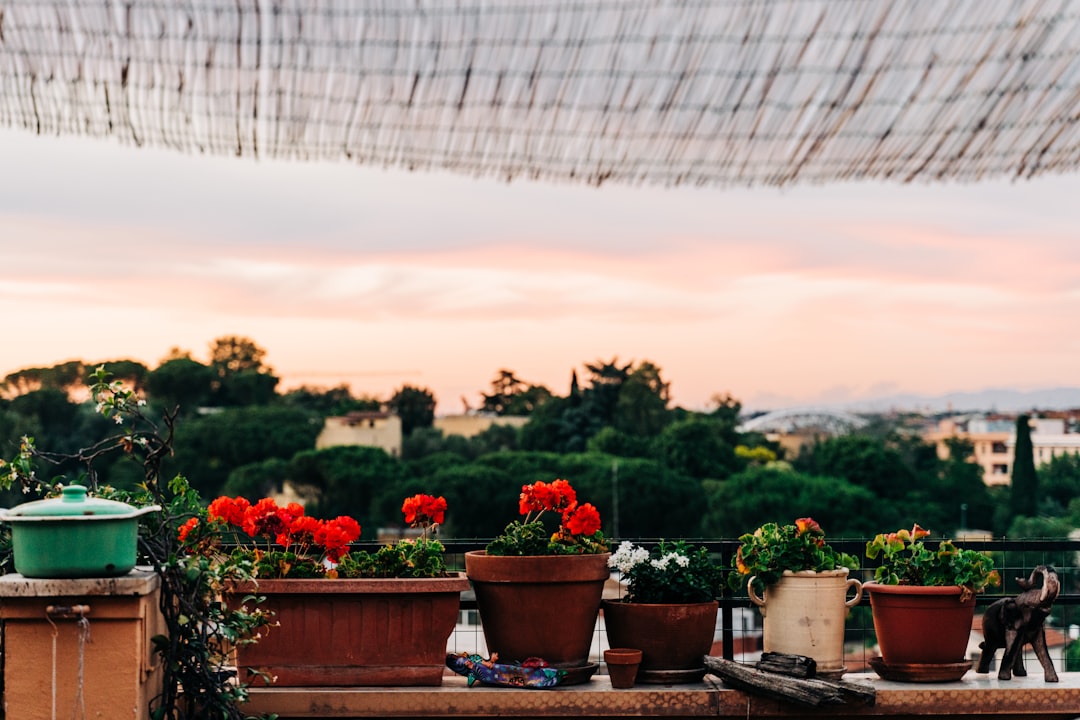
[
  {"x": 538, "y": 592},
  {"x": 803, "y": 584},
  {"x": 916, "y": 589},
  {"x": 342, "y": 617},
  {"x": 668, "y": 610}
]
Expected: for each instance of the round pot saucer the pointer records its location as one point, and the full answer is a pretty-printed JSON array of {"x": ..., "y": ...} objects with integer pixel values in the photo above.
[
  {"x": 670, "y": 677},
  {"x": 920, "y": 672}
]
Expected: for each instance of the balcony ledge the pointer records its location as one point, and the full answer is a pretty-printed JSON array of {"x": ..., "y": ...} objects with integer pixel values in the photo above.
[{"x": 974, "y": 695}]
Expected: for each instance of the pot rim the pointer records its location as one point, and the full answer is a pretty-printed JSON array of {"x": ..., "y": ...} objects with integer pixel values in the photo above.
[
  {"x": 623, "y": 603},
  {"x": 874, "y": 586}
]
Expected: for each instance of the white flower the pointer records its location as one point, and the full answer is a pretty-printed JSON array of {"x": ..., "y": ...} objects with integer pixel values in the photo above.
[
  {"x": 119, "y": 419},
  {"x": 682, "y": 561},
  {"x": 627, "y": 557},
  {"x": 141, "y": 402}
]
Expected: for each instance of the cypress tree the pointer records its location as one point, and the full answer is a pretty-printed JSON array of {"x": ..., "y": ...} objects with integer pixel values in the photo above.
[{"x": 1025, "y": 481}]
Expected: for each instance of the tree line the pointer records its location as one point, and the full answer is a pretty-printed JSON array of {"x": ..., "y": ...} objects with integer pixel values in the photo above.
[{"x": 670, "y": 472}]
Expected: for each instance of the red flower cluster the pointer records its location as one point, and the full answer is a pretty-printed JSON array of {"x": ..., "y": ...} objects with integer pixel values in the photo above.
[
  {"x": 582, "y": 519},
  {"x": 288, "y": 525},
  {"x": 424, "y": 510},
  {"x": 540, "y": 496},
  {"x": 559, "y": 496}
]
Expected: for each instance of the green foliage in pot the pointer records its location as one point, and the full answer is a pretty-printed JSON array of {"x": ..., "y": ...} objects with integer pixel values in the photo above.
[
  {"x": 771, "y": 549},
  {"x": 579, "y": 531},
  {"x": 907, "y": 560},
  {"x": 669, "y": 573}
]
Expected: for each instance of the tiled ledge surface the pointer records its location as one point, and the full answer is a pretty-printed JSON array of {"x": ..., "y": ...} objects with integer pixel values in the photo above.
[{"x": 974, "y": 695}]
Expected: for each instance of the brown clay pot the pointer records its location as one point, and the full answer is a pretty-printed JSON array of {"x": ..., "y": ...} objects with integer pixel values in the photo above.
[
  {"x": 918, "y": 625},
  {"x": 622, "y": 665},
  {"x": 353, "y": 632},
  {"x": 542, "y": 606},
  {"x": 674, "y": 638}
]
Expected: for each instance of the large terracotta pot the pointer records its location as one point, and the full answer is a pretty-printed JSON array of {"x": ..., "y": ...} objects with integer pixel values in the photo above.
[
  {"x": 918, "y": 625},
  {"x": 674, "y": 638},
  {"x": 353, "y": 632},
  {"x": 803, "y": 614},
  {"x": 542, "y": 606}
]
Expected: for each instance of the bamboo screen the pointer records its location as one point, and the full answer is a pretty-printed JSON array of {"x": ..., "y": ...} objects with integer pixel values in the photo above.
[{"x": 723, "y": 92}]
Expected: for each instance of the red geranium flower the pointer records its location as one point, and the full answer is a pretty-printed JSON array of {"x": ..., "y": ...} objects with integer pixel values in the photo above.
[
  {"x": 187, "y": 527},
  {"x": 227, "y": 509},
  {"x": 422, "y": 510},
  {"x": 582, "y": 519}
]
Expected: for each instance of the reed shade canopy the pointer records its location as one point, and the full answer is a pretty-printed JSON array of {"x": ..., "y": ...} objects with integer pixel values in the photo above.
[{"x": 668, "y": 92}]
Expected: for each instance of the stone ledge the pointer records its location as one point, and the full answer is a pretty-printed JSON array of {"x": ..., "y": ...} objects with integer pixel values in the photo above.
[
  {"x": 981, "y": 695},
  {"x": 140, "y": 581}
]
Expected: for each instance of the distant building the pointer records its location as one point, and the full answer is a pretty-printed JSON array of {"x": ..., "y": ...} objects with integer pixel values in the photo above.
[
  {"x": 473, "y": 424},
  {"x": 371, "y": 429},
  {"x": 994, "y": 438}
]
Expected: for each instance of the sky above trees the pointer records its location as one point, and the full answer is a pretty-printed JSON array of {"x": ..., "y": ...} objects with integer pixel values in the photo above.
[{"x": 379, "y": 278}]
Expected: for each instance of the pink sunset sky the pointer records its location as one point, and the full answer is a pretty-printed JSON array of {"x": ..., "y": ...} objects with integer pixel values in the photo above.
[{"x": 378, "y": 278}]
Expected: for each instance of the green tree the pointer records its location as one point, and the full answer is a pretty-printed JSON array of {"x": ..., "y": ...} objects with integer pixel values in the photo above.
[
  {"x": 1025, "y": 480},
  {"x": 234, "y": 353},
  {"x": 415, "y": 406},
  {"x": 132, "y": 373},
  {"x": 181, "y": 381},
  {"x": 346, "y": 479},
  {"x": 776, "y": 494},
  {"x": 241, "y": 376},
  {"x": 1059, "y": 480},
  {"x": 653, "y": 500},
  {"x": 63, "y": 376},
  {"x": 257, "y": 480},
  {"x": 865, "y": 461},
  {"x": 512, "y": 396},
  {"x": 699, "y": 447},
  {"x": 642, "y": 406},
  {"x": 209, "y": 447},
  {"x": 333, "y": 401}
]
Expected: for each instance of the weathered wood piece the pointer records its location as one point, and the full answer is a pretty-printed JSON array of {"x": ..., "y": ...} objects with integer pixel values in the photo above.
[
  {"x": 800, "y": 666},
  {"x": 862, "y": 692},
  {"x": 810, "y": 692}
]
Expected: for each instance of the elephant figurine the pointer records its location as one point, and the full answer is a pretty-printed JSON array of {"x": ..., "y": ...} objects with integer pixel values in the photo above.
[{"x": 1012, "y": 623}]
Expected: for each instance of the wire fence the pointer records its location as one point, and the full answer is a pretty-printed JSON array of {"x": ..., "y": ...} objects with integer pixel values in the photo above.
[{"x": 738, "y": 629}]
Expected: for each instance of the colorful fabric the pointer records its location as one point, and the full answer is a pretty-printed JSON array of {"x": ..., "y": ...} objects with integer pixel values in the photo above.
[{"x": 533, "y": 673}]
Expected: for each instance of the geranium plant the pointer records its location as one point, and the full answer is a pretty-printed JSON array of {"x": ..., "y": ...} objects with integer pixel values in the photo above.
[
  {"x": 283, "y": 542},
  {"x": 669, "y": 573},
  {"x": 771, "y": 549},
  {"x": 907, "y": 560},
  {"x": 578, "y": 533}
]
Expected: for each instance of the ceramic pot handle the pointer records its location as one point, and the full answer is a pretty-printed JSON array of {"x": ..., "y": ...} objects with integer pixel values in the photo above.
[
  {"x": 754, "y": 596},
  {"x": 858, "y": 592}
]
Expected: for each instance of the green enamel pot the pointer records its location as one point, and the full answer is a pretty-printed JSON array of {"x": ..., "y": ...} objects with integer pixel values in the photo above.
[{"x": 75, "y": 536}]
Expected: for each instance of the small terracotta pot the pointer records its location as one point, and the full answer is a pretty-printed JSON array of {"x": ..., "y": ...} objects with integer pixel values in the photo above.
[
  {"x": 622, "y": 664},
  {"x": 919, "y": 625}
]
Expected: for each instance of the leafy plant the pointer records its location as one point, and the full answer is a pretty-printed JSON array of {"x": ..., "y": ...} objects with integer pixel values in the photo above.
[
  {"x": 669, "y": 573},
  {"x": 906, "y": 560},
  {"x": 771, "y": 549},
  {"x": 578, "y": 533}
]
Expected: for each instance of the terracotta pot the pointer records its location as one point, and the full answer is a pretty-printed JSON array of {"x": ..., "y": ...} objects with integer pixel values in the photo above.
[
  {"x": 803, "y": 614},
  {"x": 674, "y": 638},
  {"x": 542, "y": 606},
  {"x": 353, "y": 632},
  {"x": 921, "y": 625},
  {"x": 622, "y": 665}
]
